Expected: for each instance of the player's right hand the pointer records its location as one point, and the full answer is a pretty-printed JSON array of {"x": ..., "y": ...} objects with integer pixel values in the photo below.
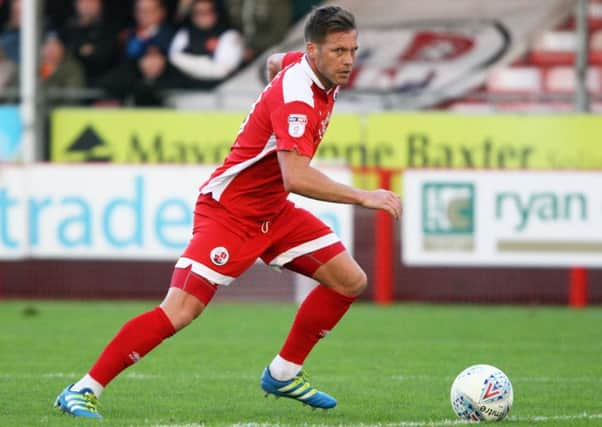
[
  {"x": 274, "y": 65},
  {"x": 383, "y": 199}
]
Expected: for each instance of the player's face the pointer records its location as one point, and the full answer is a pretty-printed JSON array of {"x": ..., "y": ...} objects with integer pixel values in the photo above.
[{"x": 334, "y": 57}]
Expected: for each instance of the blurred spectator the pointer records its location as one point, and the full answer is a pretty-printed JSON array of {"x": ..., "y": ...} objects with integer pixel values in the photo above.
[
  {"x": 263, "y": 23},
  {"x": 122, "y": 16},
  {"x": 144, "y": 71},
  {"x": 151, "y": 29},
  {"x": 59, "y": 69},
  {"x": 205, "y": 52},
  {"x": 10, "y": 39},
  {"x": 182, "y": 11},
  {"x": 91, "y": 39}
]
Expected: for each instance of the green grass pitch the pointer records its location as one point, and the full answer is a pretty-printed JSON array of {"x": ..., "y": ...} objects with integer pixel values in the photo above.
[{"x": 387, "y": 366}]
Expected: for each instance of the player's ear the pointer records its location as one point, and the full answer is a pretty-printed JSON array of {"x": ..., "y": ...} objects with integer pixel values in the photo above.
[{"x": 311, "y": 50}]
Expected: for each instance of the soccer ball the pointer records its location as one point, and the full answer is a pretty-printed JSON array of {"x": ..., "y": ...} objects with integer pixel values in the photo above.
[{"x": 481, "y": 393}]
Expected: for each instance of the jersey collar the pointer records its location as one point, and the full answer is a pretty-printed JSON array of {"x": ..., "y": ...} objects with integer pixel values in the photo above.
[{"x": 312, "y": 75}]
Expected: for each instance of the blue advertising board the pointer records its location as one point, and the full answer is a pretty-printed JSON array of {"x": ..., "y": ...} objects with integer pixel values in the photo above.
[{"x": 10, "y": 133}]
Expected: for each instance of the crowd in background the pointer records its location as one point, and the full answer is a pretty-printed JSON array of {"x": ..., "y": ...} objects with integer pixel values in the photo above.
[{"x": 136, "y": 50}]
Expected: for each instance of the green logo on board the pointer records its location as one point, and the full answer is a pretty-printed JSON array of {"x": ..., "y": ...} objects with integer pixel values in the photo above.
[{"x": 448, "y": 216}]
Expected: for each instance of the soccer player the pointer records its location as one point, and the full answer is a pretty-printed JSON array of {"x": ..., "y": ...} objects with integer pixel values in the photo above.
[{"x": 242, "y": 213}]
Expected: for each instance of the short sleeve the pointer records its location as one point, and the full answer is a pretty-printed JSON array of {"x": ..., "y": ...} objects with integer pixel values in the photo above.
[
  {"x": 294, "y": 125},
  {"x": 291, "y": 58}
]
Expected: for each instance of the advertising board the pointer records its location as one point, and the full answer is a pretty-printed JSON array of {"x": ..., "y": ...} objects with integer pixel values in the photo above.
[
  {"x": 10, "y": 133},
  {"x": 511, "y": 218},
  {"x": 115, "y": 211},
  {"x": 392, "y": 140}
]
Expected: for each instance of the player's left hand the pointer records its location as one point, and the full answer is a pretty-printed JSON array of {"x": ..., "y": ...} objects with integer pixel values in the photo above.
[{"x": 385, "y": 200}]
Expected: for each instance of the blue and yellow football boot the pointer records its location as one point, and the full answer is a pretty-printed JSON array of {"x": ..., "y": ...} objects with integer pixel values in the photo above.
[
  {"x": 81, "y": 403},
  {"x": 298, "y": 388}
]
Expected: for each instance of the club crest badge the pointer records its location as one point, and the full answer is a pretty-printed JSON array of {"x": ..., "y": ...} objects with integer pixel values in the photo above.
[
  {"x": 219, "y": 255},
  {"x": 296, "y": 125}
]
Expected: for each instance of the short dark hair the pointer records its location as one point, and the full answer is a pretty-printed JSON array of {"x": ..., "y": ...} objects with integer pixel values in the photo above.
[{"x": 325, "y": 20}]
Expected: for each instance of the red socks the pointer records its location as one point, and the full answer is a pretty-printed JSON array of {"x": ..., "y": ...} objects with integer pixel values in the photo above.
[
  {"x": 136, "y": 338},
  {"x": 319, "y": 313}
]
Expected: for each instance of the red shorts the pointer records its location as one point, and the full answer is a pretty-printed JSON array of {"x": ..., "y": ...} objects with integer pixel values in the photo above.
[{"x": 223, "y": 247}]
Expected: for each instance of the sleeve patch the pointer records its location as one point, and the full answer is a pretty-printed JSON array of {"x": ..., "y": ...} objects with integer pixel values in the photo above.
[{"x": 296, "y": 125}]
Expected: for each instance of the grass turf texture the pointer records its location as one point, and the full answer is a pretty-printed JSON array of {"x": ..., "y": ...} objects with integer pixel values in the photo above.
[{"x": 386, "y": 366}]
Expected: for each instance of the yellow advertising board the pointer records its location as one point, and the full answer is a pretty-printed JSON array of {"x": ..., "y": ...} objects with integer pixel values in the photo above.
[
  {"x": 141, "y": 136},
  {"x": 165, "y": 136},
  {"x": 393, "y": 140},
  {"x": 485, "y": 141}
]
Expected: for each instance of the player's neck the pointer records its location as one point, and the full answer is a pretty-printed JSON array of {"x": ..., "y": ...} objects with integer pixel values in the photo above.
[{"x": 326, "y": 84}]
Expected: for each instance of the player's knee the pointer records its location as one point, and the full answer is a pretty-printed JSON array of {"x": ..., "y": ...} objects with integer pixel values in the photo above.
[
  {"x": 189, "y": 317},
  {"x": 181, "y": 307},
  {"x": 185, "y": 317},
  {"x": 357, "y": 284},
  {"x": 362, "y": 282}
]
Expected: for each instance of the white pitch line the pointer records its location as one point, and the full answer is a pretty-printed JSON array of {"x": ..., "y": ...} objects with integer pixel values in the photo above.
[
  {"x": 46, "y": 375},
  {"x": 438, "y": 423},
  {"x": 577, "y": 380},
  {"x": 56, "y": 375},
  {"x": 400, "y": 424},
  {"x": 537, "y": 418},
  {"x": 179, "y": 425},
  {"x": 583, "y": 416}
]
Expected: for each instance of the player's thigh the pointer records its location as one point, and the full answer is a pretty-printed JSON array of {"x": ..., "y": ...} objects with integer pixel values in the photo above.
[
  {"x": 296, "y": 233},
  {"x": 216, "y": 255},
  {"x": 305, "y": 244}
]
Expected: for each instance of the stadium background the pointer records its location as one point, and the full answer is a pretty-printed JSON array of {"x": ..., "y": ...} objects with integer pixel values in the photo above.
[
  {"x": 483, "y": 115},
  {"x": 453, "y": 69}
]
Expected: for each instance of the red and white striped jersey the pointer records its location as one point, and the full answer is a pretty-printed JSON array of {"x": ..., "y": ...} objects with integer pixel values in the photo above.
[{"x": 292, "y": 113}]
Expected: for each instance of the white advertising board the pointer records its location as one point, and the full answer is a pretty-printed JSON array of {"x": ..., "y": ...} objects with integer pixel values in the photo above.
[
  {"x": 115, "y": 212},
  {"x": 513, "y": 218}
]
